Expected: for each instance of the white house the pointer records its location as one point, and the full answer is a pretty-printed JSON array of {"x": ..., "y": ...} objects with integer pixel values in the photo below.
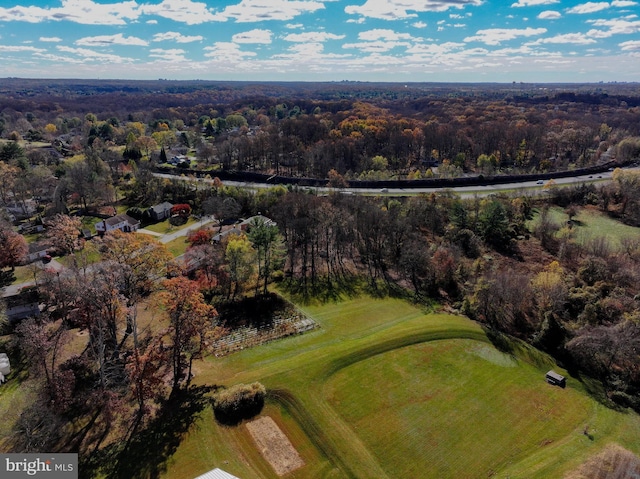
[{"x": 119, "y": 222}]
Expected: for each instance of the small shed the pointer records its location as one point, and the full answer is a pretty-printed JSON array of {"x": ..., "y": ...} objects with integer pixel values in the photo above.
[
  {"x": 217, "y": 474},
  {"x": 556, "y": 379}
]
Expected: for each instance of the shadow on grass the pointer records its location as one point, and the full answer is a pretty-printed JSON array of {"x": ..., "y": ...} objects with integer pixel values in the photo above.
[
  {"x": 146, "y": 454},
  {"x": 259, "y": 311},
  {"x": 7, "y": 277},
  {"x": 322, "y": 289}
]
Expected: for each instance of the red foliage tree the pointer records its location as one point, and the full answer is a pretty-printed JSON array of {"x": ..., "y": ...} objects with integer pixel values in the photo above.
[
  {"x": 13, "y": 248},
  {"x": 200, "y": 237},
  {"x": 183, "y": 210}
]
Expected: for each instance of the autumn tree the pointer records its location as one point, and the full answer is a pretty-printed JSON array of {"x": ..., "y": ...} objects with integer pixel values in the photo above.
[
  {"x": 200, "y": 236},
  {"x": 240, "y": 260},
  {"x": 192, "y": 322},
  {"x": 141, "y": 260},
  {"x": 269, "y": 247},
  {"x": 64, "y": 233},
  {"x": 207, "y": 260},
  {"x": 42, "y": 343},
  {"x": 336, "y": 180},
  {"x": 146, "y": 368},
  {"x": 13, "y": 247},
  {"x": 8, "y": 175}
]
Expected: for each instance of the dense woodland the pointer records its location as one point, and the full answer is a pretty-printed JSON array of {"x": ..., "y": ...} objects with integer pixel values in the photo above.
[{"x": 502, "y": 260}]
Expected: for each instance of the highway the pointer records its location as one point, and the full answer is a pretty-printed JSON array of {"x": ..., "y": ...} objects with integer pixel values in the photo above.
[{"x": 528, "y": 187}]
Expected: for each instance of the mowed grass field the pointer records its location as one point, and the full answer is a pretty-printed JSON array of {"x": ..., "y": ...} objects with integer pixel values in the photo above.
[
  {"x": 385, "y": 390},
  {"x": 590, "y": 224}
]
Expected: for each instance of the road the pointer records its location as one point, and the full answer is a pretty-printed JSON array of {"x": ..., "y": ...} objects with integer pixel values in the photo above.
[{"x": 463, "y": 191}]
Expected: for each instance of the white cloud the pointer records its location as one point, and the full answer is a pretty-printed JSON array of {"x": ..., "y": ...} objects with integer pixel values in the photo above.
[
  {"x": 177, "y": 37},
  {"x": 589, "y": 7},
  {"x": 312, "y": 37},
  {"x": 533, "y": 3},
  {"x": 294, "y": 26},
  {"x": 108, "y": 40},
  {"x": 253, "y": 36},
  {"x": 20, "y": 48},
  {"x": 151, "y": 22},
  {"x": 399, "y": 9},
  {"x": 227, "y": 51},
  {"x": 378, "y": 46},
  {"x": 630, "y": 46},
  {"x": 494, "y": 36},
  {"x": 623, "y": 3},
  {"x": 566, "y": 38},
  {"x": 50, "y": 39},
  {"x": 86, "y": 12},
  {"x": 614, "y": 27},
  {"x": 94, "y": 56},
  {"x": 419, "y": 25},
  {"x": 383, "y": 34},
  {"x": 183, "y": 11},
  {"x": 58, "y": 59},
  {"x": 169, "y": 55},
  {"x": 435, "y": 48},
  {"x": 262, "y": 10},
  {"x": 549, "y": 15}
]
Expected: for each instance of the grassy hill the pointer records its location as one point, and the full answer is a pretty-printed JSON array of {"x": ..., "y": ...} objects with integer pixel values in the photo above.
[{"x": 384, "y": 389}]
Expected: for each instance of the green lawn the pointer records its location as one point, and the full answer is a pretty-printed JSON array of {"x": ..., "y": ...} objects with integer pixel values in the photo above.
[
  {"x": 177, "y": 246},
  {"x": 383, "y": 389},
  {"x": 589, "y": 224},
  {"x": 165, "y": 227}
]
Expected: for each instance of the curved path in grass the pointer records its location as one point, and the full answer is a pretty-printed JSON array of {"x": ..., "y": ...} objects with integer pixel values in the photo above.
[{"x": 297, "y": 372}]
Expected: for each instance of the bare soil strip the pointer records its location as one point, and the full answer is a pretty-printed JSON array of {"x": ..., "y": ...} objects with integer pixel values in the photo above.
[{"x": 274, "y": 446}]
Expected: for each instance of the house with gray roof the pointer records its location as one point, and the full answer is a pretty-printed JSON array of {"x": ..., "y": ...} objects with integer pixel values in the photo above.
[{"x": 119, "y": 222}]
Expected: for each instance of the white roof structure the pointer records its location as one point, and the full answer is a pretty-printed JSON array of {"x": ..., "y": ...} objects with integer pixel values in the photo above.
[
  {"x": 5, "y": 366},
  {"x": 217, "y": 474}
]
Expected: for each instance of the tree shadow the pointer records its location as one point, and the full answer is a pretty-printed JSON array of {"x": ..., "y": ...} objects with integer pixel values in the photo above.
[
  {"x": 145, "y": 455},
  {"x": 235, "y": 416},
  {"x": 258, "y": 311},
  {"x": 6, "y": 277},
  {"x": 322, "y": 290}
]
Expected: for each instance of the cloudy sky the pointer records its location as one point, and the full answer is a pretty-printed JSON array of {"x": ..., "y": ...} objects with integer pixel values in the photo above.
[{"x": 366, "y": 40}]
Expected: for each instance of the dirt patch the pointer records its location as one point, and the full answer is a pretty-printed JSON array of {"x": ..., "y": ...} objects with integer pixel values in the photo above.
[
  {"x": 614, "y": 462},
  {"x": 274, "y": 446}
]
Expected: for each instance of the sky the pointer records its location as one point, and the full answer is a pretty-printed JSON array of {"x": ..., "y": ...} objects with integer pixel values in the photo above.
[{"x": 322, "y": 40}]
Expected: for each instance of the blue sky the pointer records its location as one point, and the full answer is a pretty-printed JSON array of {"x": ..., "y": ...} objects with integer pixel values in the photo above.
[{"x": 333, "y": 40}]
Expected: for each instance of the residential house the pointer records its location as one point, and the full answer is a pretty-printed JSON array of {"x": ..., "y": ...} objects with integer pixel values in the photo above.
[
  {"x": 160, "y": 212},
  {"x": 119, "y": 222},
  {"x": 25, "y": 304},
  {"x": 242, "y": 227},
  {"x": 37, "y": 251}
]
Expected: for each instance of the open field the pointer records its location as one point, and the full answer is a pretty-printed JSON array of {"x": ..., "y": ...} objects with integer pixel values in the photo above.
[
  {"x": 385, "y": 390},
  {"x": 590, "y": 224}
]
